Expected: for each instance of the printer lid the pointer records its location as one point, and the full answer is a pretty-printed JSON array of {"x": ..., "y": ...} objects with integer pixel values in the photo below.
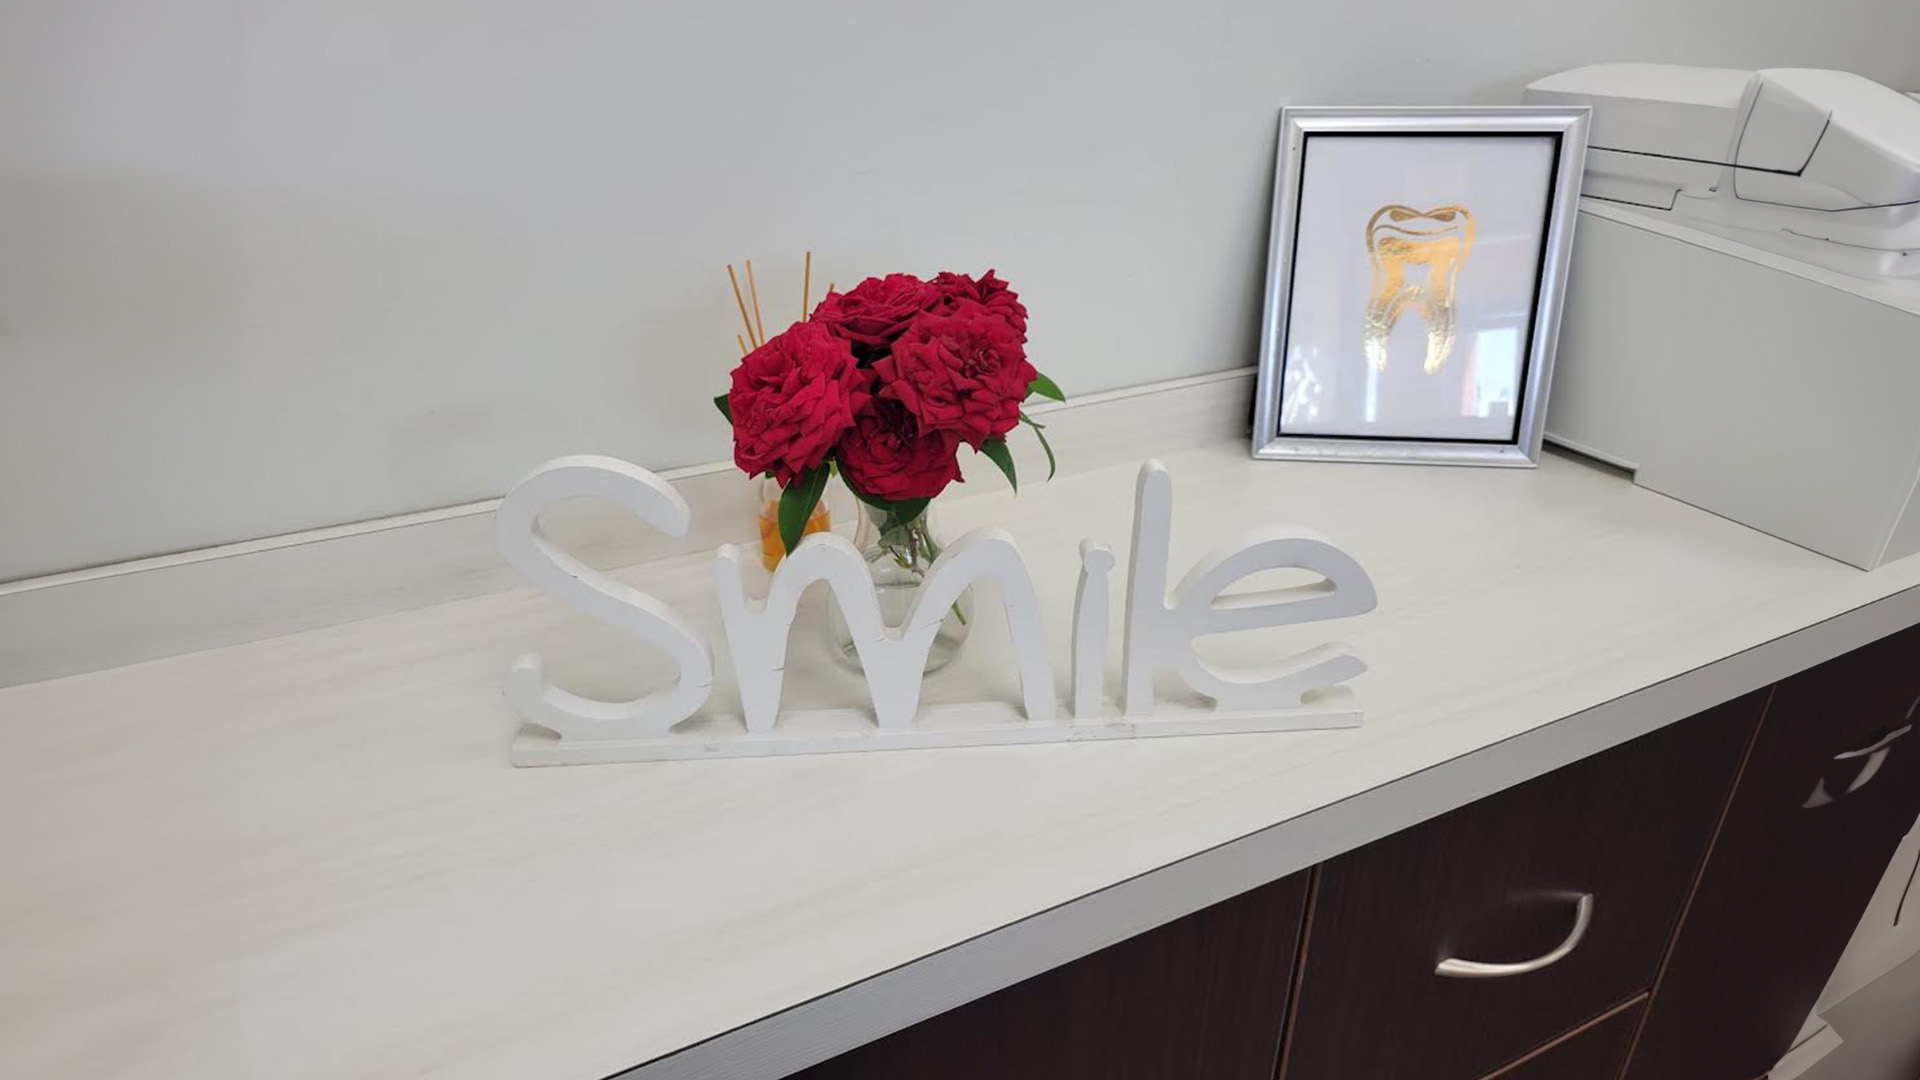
[
  {"x": 1867, "y": 144},
  {"x": 1867, "y": 110},
  {"x": 1832, "y": 130},
  {"x": 1665, "y": 109}
]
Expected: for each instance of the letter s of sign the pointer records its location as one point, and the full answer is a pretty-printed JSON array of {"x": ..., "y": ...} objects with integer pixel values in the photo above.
[{"x": 540, "y": 561}]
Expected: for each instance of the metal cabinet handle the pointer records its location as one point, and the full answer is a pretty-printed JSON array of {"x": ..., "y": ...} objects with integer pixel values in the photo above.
[
  {"x": 1475, "y": 969},
  {"x": 1876, "y": 756},
  {"x": 1876, "y": 747}
]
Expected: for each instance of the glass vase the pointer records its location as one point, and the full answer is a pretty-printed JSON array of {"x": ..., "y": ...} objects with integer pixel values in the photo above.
[
  {"x": 899, "y": 554},
  {"x": 771, "y": 549}
]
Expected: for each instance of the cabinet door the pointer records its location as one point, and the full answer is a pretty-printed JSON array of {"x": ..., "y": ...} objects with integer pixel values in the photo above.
[
  {"x": 1499, "y": 882},
  {"x": 1200, "y": 997},
  {"x": 1889, "y": 931},
  {"x": 1831, "y": 787}
]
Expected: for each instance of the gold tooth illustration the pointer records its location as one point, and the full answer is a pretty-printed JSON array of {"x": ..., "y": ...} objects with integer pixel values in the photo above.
[{"x": 1437, "y": 240}]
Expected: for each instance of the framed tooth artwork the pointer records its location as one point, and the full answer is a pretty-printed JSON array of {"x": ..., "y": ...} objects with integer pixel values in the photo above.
[{"x": 1417, "y": 263}]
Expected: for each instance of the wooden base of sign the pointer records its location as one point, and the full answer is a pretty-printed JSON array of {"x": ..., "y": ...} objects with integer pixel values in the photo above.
[{"x": 836, "y": 731}]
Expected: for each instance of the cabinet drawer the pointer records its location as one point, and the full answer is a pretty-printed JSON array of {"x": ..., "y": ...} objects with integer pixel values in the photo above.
[
  {"x": 1497, "y": 882},
  {"x": 1594, "y": 1052},
  {"x": 1199, "y": 997},
  {"x": 1832, "y": 785}
]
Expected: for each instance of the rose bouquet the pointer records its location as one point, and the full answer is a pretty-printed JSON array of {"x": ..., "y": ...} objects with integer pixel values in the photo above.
[{"x": 883, "y": 384}]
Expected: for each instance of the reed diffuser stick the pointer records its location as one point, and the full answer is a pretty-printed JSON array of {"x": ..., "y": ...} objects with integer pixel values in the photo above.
[
  {"x": 743, "y": 344},
  {"x": 743, "y": 306},
  {"x": 755, "y": 293},
  {"x": 806, "y": 288}
]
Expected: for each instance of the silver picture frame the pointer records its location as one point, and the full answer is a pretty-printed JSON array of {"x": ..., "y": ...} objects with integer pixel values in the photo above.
[{"x": 1297, "y": 126}]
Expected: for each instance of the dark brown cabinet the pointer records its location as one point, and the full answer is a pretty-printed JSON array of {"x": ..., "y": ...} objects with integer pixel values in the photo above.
[
  {"x": 1199, "y": 997},
  {"x": 1832, "y": 786},
  {"x": 1500, "y": 882},
  {"x": 1667, "y": 910}
]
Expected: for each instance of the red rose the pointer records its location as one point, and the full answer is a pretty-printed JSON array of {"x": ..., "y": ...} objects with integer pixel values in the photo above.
[
  {"x": 964, "y": 372},
  {"x": 875, "y": 311},
  {"x": 792, "y": 398},
  {"x": 887, "y": 456},
  {"x": 989, "y": 291}
]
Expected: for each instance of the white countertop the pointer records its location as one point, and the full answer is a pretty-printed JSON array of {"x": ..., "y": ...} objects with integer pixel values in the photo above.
[{"x": 308, "y": 857}]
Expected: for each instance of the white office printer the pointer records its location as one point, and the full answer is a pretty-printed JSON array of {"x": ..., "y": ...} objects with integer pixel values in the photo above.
[
  {"x": 1821, "y": 165},
  {"x": 1742, "y": 325}
]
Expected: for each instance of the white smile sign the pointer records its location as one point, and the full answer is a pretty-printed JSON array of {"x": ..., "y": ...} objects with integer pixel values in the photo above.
[{"x": 1160, "y": 631}]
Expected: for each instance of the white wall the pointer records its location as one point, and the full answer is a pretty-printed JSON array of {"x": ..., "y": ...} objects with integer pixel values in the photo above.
[{"x": 271, "y": 264}]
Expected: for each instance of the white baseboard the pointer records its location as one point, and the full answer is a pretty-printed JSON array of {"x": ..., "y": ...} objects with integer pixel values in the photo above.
[{"x": 87, "y": 620}]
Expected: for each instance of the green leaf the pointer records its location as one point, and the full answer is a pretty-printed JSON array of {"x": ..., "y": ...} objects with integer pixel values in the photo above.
[
  {"x": 1040, "y": 432},
  {"x": 997, "y": 450},
  {"x": 1045, "y": 387},
  {"x": 797, "y": 501},
  {"x": 726, "y": 410},
  {"x": 897, "y": 512},
  {"x": 903, "y": 511}
]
